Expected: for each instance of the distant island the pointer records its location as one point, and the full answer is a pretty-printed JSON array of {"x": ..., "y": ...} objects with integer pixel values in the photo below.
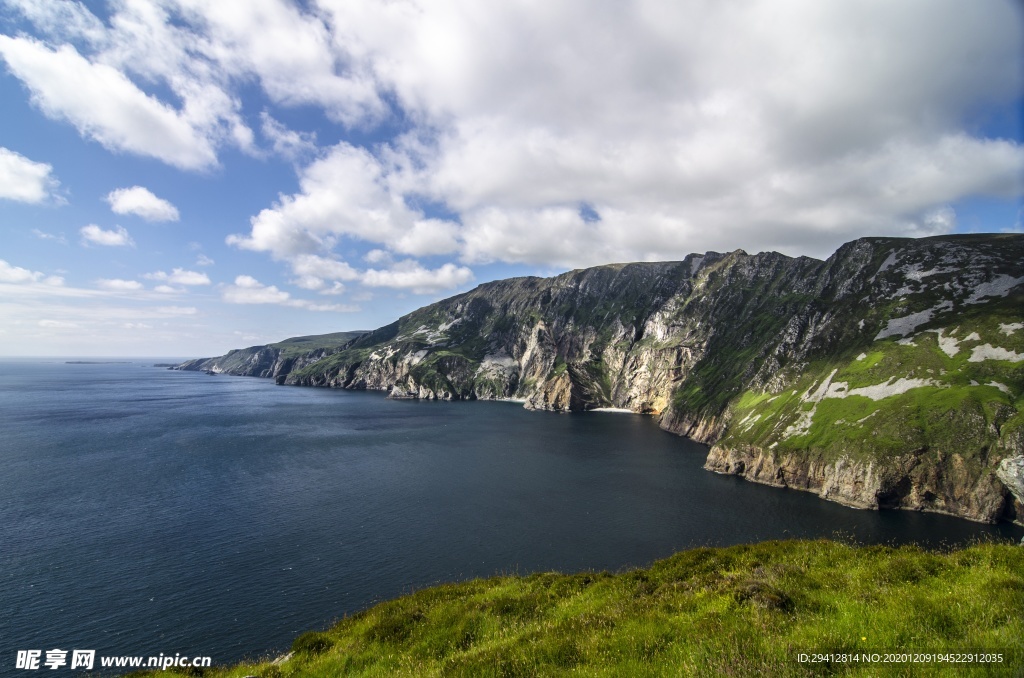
[
  {"x": 97, "y": 362},
  {"x": 890, "y": 375}
]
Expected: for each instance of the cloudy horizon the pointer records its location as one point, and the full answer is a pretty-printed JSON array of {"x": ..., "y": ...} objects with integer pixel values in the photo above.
[{"x": 182, "y": 178}]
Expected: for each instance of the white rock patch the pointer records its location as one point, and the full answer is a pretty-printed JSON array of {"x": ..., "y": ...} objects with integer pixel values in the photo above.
[
  {"x": 818, "y": 393},
  {"x": 1010, "y": 328},
  {"x": 999, "y": 286},
  {"x": 907, "y": 324},
  {"x": 973, "y": 336},
  {"x": 889, "y": 388},
  {"x": 388, "y": 352},
  {"x": 989, "y": 352},
  {"x": 919, "y": 275},
  {"x": 949, "y": 345},
  {"x": 1002, "y": 387},
  {"x": 497, "y": 365},
  {"x": 889, "y": 261},
  {"x": 415, "y": 358},
  {"x": 862, "y": 356}
]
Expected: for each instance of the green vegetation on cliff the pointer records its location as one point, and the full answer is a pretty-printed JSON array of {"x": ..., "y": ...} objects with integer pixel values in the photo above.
[
  {"x": 296, "y": 346},
  {"x": 890, "y": 374},
  {"x": 740, "y": 611}
]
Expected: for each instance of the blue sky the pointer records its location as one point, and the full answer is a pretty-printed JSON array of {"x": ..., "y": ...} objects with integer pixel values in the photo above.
[{"x": 181, "y": 178}]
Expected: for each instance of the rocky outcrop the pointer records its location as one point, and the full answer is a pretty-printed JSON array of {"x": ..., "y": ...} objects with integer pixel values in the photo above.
[
  {"x": 273, "y": 361},
  {"x": 907, "y": 481},
  {"x": 863, "y": 378}
]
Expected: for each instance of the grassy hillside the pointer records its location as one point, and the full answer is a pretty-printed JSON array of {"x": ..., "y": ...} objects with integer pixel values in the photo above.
[
  {"x": 740, "y": 611},
  {"x": 296, "y": 346}
]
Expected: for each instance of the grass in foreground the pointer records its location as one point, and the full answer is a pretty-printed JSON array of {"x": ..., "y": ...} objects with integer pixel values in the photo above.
[{"x": 738, "y": 611}]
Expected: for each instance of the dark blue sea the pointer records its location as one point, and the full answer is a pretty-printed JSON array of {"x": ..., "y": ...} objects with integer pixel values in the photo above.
[{"x": 147, "y": 511}]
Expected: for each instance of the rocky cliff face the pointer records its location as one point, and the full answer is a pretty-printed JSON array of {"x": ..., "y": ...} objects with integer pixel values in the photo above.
[
  {"x": 272, "y": 360},
  {"x": 890, "y": 375}
]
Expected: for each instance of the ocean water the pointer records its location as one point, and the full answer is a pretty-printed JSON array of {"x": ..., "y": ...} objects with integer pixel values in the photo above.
[{"x": 146, "y": 511}]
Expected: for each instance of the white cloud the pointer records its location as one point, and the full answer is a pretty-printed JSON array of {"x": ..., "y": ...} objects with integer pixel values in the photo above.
[
  {"x": 811, "y": 125},
  {"x": 313, "y": 266},
  {"x": 24, "y": 180},
  {"x": 116, "y": 238},
  {"x": 167, "y": 289},
  {"x": 141, "y": 202},
  {"x": 179, "y": 276},
  {"x": 762, "y": 124},
  {"x": 119, "y": 285},
  {"x": 49, "y": 236},
  {"x": 289, "y": 52},
  {"x": 345, "y": 193},
  {"x": 105, "y": 105},
  {"x": 248, "y": 290},
  {"x": 413, "y": 276},
  {"x": 200, "y": 51},
  {"x": 177, "y": 310},
  {"x": 335, "y": 289},
  {"x": 69, "y": 19},
  {"x": 378, "y": 256},
  {"x": 17, "y": 275},
  {"x": 57, "y": 324},
  {"x": 286, "y": 142},
  {"x": 203, "y": 260}
]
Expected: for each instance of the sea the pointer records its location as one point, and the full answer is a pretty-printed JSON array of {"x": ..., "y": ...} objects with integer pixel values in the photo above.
[{"x": 145, "y": 511}]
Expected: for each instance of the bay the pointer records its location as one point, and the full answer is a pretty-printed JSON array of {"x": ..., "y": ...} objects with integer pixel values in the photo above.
[{"x": 147, "y": 511}]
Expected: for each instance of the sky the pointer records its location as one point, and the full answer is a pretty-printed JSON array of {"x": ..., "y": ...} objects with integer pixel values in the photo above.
[{"x": 183, "y": 177}]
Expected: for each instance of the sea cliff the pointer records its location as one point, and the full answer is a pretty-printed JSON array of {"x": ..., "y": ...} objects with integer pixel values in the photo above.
[{"x": 890, "y": 375}]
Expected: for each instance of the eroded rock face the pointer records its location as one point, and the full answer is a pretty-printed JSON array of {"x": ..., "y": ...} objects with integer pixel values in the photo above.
[
  {"x": 1011, "y": 472},
  {"x": 804, "y": 373},
  {"x": 905, "y": 481}
]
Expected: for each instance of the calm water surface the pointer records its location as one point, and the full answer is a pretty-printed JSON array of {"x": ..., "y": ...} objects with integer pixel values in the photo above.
[{"x": 144, "y": 511}]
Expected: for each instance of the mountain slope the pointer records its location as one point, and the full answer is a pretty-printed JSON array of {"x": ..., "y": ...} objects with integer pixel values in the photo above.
[
  {"x": 271, "y": 360},
  {"x": 890, "y": 375}
]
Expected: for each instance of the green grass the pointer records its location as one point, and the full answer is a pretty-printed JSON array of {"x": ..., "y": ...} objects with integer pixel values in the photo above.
[
  {"x": 296, "y": 346},
  {"x": 959, "y": 413},
  {"x": 738, "y": 611}
]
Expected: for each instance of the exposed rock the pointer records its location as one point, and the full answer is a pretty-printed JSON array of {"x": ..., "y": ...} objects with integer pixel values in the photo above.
[
  {"x": 905, "y": 481},
  {"x": 819, "y": 375}
]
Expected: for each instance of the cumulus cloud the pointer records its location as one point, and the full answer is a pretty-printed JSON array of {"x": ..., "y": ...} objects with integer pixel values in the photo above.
[
  {"x": 411, "y": 275},
  {"x": 201, "y": 52},
  {"x": 104, "y": 104},
  {"x": 345, "y": 193},
  {"x": 811, "y": 125},
  {"x": 286, "y": 142},
  {"x": 24, "y": 180},
  {"x": 18, "y": 275},
  {"x": 179, "y": 276},
  {"x": 119, "y": 285},
  {"x": 249, "y": 290},
  {"x": 203, "y": 260},
  {"x": 141, "y": 202},
  {"x": 642, "y": 133},
  {"x": 118, "y": 237}
]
